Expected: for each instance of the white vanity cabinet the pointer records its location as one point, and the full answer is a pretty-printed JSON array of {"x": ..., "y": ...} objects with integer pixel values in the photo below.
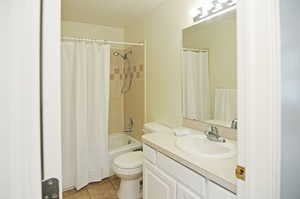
[
  {"x": 214, "y": 191},
  {"x": 157, "y": 185},
  {"x": 164, "y": 178},
  {"x": 185, "y": 193}
]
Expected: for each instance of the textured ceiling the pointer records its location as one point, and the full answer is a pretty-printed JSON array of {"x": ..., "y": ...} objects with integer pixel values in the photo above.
[{"x": 119, "y": 13}]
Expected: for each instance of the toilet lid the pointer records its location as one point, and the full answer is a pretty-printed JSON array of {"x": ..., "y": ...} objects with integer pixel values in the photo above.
[{"x": 129, "y": 160}]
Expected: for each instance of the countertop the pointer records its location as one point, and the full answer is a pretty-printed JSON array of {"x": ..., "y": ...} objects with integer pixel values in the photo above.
[{"x": 220, "y": 171}]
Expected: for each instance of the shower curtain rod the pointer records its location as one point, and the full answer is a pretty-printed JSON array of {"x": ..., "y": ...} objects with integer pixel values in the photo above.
[
  {"x": 102, "y": 41},
  {"x": 195, "y": 50}
]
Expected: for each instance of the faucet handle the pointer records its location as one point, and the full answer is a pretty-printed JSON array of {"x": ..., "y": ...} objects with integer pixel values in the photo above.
[
  {"x": 234, "y": 124},
  {"x": 213, "y": 130},
  {"x": 213, "y": 134}
]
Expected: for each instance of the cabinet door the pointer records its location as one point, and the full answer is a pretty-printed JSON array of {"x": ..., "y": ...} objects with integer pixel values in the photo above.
[
  {"x": 185, "y": 193},
  {"x": 157, "y": 185},
  {"x": 217, "y": 192}
]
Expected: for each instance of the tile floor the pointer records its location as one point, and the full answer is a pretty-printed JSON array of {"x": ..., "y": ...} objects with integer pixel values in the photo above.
[{"x": 106, "y": 189}]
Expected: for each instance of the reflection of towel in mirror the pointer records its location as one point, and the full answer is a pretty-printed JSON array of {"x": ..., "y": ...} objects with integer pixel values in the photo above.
[{"x": 225, "y": 104}]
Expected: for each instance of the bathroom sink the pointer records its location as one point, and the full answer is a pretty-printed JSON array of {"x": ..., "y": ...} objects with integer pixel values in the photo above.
[{"x": 200, "y": 146}]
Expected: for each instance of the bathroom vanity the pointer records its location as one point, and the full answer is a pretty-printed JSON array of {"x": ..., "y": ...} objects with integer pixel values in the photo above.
[{"x": 170, "y": 173}]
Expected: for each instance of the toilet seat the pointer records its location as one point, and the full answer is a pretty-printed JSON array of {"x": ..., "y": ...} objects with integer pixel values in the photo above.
[
  {"x": 130, "y": 160},
  {"x": 129, "y": 165}
]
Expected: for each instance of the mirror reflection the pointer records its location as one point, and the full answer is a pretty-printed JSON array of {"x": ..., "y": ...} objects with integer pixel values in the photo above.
[{"x": 209, "y": 71}]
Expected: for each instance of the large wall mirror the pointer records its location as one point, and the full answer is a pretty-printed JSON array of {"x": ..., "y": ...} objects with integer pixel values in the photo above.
[{"x": 209, "y": 71}]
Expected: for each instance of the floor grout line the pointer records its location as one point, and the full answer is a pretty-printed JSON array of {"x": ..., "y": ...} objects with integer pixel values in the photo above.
[{"x": 90, "y": 196}]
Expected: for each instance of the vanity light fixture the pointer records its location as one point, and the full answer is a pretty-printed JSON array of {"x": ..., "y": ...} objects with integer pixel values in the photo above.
[{"x": 212, "y": 7}]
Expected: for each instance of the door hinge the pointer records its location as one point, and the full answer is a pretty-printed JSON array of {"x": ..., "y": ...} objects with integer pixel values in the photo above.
[
  {"x": 240, "y": 172},
  {"x": 50, "y": 189}
]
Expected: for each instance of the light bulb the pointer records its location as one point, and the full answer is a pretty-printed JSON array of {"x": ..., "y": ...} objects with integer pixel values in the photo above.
[
  {"x": 204, "y": 14},
  {"x": 223, "y": 1},
  {"x": 194, "y": 12},
  {"x": 207, "y": 5},
  {"x": 231, "y": 2},
  {"x": 216, "y": 6}
]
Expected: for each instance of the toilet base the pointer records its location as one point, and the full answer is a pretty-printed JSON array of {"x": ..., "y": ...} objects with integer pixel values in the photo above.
[{"x": 130, "y": 189}]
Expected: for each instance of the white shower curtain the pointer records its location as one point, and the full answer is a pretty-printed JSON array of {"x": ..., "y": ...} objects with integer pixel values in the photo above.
[
  {"x": 225, "y": 105},
  {"x": 85, "y": 102},
  {"x": 196, "y": 98}
]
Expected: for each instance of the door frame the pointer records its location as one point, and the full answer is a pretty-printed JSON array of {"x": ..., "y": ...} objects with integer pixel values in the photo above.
[
  {"x": 259, "y": 95},
  {"x": 259, "y": 98},
  {"x": 51, "y": 90}
]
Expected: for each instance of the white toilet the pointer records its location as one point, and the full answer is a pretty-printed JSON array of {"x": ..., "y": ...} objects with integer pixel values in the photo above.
[{"x": 129, "y": 167}]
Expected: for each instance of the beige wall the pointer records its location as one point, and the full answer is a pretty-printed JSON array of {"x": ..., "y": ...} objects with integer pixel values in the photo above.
[
  {"x": 134, "y": 100},
  {"x": 131, "y": 104},
  {"x": 162, "y": 30},
  {"x": 219, "y": 37},
  {"x": 76, "y": 29}
]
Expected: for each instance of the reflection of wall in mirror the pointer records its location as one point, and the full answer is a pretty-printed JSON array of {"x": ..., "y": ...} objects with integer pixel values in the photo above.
[{"x": 220, "y": 38}]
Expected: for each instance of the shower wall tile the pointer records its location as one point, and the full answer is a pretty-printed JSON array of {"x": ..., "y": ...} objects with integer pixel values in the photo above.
[
  {"x": 112, "y": 76},
  {"x": 131, "y": 104},
  {"x": 116, "y": 112},
  {"x": 134, "y": 100},
  {"x": 122, "y": 72},
  {"x": 116, "y": 116}
]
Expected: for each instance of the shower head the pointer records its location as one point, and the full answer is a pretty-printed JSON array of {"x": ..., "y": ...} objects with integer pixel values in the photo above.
[
  {"x": 125, "y": 56},
  {"x": 116, "y": 53}
]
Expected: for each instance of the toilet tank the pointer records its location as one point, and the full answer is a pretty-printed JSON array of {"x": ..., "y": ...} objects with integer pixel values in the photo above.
[{"x": 154, "y": 127}]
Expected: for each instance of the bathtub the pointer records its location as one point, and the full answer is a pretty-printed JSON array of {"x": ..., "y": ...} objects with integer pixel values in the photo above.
[{"x": 120, "y": 143}]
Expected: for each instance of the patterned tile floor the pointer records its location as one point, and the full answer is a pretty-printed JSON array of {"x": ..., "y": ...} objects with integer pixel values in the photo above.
[{"x": 106, "y": 189}]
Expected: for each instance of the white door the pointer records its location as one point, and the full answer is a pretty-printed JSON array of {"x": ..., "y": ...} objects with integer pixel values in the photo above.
[
  {"x": 30, "y": 96},
  {"x": 259, "y": 94},
  {"x": 157, "y": 185},
  {"x": 20, "y": 168},
  {"x": 185, "y": 193}
]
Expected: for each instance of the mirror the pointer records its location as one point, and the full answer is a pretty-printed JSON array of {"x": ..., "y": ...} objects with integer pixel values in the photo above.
[{"x": 209, "y": 71}]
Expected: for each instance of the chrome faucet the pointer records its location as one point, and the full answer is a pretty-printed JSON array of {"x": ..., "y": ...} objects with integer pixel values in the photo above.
[
  {"x": 130, "y": 128},
  {"x": 213, "y": 135},
  {"x": 234, "y": 124}
]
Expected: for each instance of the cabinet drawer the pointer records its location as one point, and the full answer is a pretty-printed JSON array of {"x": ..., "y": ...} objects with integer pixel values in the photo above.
[
  {"x": 216, "y": 192},
  {"x": 182, "y": 174},
  {"x": 149, "y": 153}
]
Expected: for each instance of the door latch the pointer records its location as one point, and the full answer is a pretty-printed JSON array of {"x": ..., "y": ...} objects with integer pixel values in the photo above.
[
  {"x": 50, "y": 188},
  {"x": 240, "y": 172}
]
